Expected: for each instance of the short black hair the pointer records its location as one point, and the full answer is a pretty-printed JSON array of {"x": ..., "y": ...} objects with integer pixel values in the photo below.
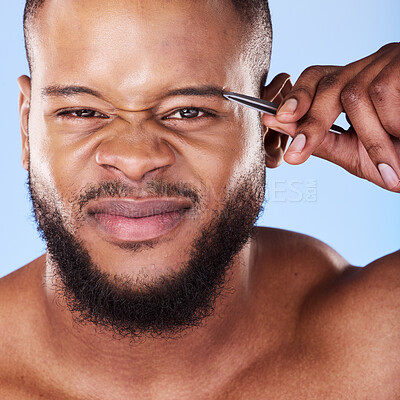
[{"x": 255, "y": 14}]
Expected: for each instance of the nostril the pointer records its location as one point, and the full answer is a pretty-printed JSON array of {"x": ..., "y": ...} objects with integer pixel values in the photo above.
[{"x": 135, "y": 158}]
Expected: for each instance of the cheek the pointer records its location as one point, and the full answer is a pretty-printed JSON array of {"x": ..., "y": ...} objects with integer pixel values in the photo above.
[
  {"x": 250, "y": 156},
  {"x": 41, "y": 154},
  {"x": 223, "y": 164},
  {"x": 52, "y": 161}
]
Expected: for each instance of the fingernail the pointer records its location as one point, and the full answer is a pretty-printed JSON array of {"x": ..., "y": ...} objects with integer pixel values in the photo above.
[
  {"x": 289, "y": 107},
  {"x": 388, "y": 175},
  {"x": 298, "y": 144}
]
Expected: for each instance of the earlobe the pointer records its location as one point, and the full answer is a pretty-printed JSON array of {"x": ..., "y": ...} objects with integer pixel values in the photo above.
[{"x": 24, "y": 83}]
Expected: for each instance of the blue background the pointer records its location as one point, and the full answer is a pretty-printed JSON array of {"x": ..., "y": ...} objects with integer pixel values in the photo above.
[{"x": 356, "y": 218}]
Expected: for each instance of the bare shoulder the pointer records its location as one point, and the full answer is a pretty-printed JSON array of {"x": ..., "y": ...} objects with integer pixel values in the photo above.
[
  {"x": 373, "y": 295},
  {"x": 17, "y": 288},
  {"x": 18, "y": 317},
  {"x": 353, "y": 302},
  {"x": 367, "y": 296},
  {"x": 382, "y": 276},
  {"x": 292, "y": 267},
  {"x": 298, "y": 255},
  {"x": 348, "y": 317},
  {"x": 353, "y": 325},
  {"x": 19, "y": 292}
]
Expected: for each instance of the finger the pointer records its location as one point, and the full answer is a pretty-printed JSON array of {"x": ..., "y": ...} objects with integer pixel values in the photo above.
[
  {"x": 341, "y": 150},
  {"x": 327, "y": 106},
  {"x": 375, "y": 140},
  {"x": 384, "y": 92},
  {"x": 315, "y": 124},
  {"x": 362, "y": 113},
  {"x": 323, "y": 112},
  {"x": 347, "y": 151},
  {"x": 298, "y": 101},
  {"x": 287, "y": 128}
]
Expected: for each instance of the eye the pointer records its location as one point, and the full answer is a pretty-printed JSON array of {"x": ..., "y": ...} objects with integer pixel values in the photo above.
[
  {"x": 188, "y": 113},
  {"x": 81, "y": 113}
]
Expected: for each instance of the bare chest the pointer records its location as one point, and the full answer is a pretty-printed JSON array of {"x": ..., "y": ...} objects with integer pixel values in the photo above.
[
  {"x": 258, "y": 382},
  {"x": 290, "y": 373}
]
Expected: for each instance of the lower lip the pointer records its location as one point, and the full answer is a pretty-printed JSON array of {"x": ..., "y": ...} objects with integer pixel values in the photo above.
[{"x": 138, "y": 229}]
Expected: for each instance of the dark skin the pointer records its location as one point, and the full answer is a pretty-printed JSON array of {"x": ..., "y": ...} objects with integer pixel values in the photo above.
[{"x": 302, "y": 323}]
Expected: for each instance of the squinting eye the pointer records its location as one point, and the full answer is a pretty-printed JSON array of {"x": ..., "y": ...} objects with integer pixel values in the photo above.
[
  {"x": 84, "y": 113},
  {"x": 187, "y": 113}
]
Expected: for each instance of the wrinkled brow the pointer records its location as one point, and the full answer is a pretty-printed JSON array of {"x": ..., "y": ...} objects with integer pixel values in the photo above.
[{"x": 66, "y": 91}]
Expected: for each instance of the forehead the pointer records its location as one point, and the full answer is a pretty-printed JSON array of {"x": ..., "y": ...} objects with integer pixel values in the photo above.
[{"x": 137, "y": 45}]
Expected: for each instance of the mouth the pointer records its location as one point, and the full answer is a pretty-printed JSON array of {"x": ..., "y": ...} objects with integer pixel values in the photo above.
[{"x": 141, "y": 220}]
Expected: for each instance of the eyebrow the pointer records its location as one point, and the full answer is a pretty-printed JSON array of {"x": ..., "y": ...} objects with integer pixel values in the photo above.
[
  {"x": 67, "y": 91},
  {"x": 207, "y": 91}
]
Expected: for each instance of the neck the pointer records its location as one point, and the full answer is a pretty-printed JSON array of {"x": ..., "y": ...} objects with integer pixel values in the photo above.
[{"x": 214, "y": 346}]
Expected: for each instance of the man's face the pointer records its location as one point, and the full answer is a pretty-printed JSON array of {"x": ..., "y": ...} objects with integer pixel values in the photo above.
[{"x": 127, "y": 121}]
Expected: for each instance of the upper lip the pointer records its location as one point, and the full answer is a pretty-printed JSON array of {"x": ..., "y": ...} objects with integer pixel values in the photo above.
[{"x": 138, "y": 208}]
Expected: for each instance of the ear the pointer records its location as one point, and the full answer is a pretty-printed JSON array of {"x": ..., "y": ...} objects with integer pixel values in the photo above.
[
  {"x": 275, "y": 142},
  {"x": 24, "y": 84}
]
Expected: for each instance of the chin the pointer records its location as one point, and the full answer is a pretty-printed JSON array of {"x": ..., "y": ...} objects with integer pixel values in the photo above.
[{"x": 153, "y": 258}]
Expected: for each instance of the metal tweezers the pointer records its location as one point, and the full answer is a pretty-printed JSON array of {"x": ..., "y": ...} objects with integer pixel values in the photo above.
[{"x": 265, "y": 106}]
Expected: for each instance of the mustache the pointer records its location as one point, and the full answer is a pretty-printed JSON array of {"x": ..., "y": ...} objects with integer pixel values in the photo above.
[{"x": 156, "y": 188}]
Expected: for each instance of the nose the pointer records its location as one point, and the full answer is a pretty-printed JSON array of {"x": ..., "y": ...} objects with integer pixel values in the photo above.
[{"x": 135, "y": 155}]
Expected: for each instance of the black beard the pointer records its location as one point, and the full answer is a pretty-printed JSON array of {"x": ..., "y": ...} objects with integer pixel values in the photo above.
[{"x": 167, "y": 306}]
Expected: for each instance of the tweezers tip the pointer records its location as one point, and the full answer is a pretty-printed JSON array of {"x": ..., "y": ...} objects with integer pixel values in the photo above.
[{"x": 227, "y": 95}]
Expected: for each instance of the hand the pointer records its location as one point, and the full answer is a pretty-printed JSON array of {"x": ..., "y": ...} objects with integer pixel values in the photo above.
[{"x": 368, "y": 91}]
